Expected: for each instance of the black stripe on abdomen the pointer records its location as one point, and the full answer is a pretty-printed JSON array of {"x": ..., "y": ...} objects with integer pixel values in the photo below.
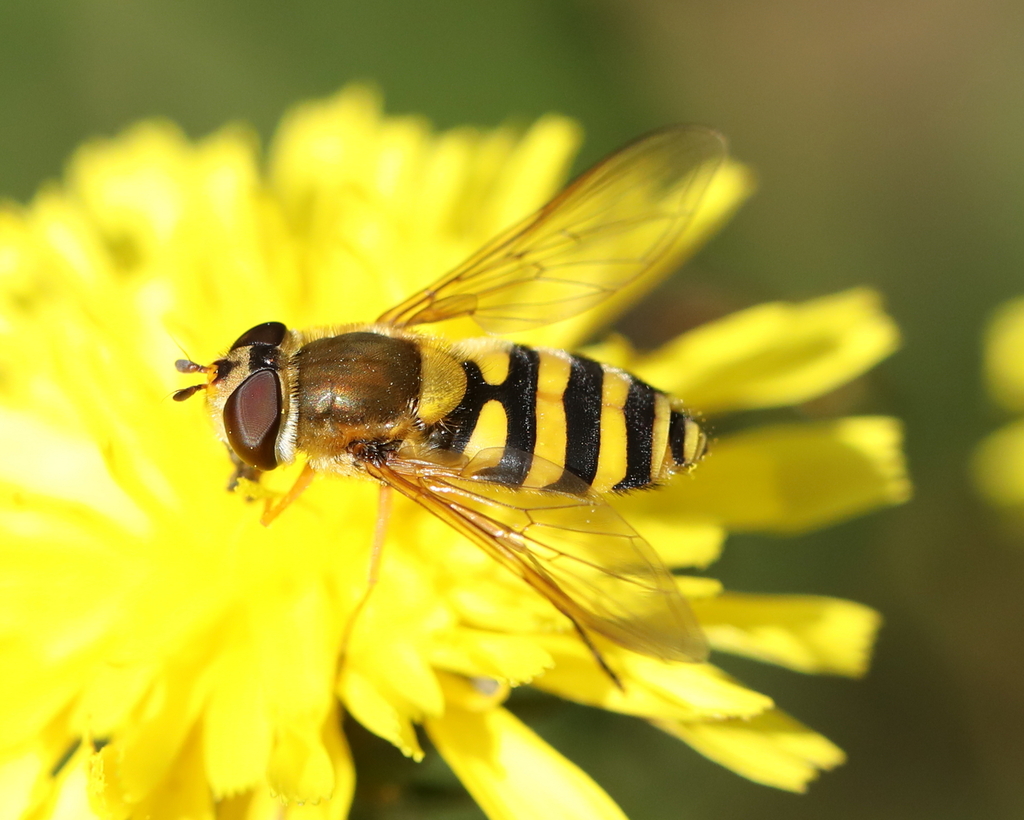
[
  {"x": 677, "y": 437},
  {"x": 639, "y": 412},
  {"x": 457, "y": 429},
  {"x": 517, "y": 395},
  {"x": 582, "y": 402}
]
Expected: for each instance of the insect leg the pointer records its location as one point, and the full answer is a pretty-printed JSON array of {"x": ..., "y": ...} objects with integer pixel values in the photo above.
[
  {"x": 272, "y": 511},
  {"x": 373, "y": 574}
]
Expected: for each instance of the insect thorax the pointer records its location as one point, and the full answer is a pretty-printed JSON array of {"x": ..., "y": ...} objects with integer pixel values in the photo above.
[
  {"x": 354, "y": 386},
  {"x": 370, "y": 386}
]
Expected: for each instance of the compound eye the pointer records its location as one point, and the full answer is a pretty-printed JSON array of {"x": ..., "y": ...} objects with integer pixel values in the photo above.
[
  {"x": 269, "y": 333},
  {"x": 252, "y": 419}
]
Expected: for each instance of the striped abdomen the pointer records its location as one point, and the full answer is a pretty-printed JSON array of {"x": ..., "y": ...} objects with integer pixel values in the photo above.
[{"x": 598, "y": 422}]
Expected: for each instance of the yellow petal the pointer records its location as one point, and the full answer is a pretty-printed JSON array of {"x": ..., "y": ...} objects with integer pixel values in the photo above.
[
  {"x": 1004, "y": 355},
  {"x": 264, "y": 804},
  {"x": 772, "y": 749},
  {"x": 53, "y": 626},
  {"x": 237, "y": 735},
  {"x": 802, "y": 632},
  {"x": 301, "y": 769},
  {"x": 344, "y": 770},
  {"x": 108, "y": 699},
  {"x": 157, "y": 740},
  {"x": 47, "y": 772},
  {"x": 998, "y": 466},
  {"x": 791, "y": 477},
  {"x": 298, "y": 637},
  {"x": 104, "y": 788},
  {"x": 653, "y": 688},
  {"x": 775, "y": 354},
  {"x": 183, "y": 793},
  {"x": 18, "y": 780},
  {"x": 134, "y": 186},
  {"x": 513, "y": 774},
  {"x": 323, "y": 145},
  {"x": 699, "y": 687},
  {"x": 180, "y": 791},
  {"x": 247, "y": 251},
  {"x": 378, "y": 713},
  {"x": 400, "y": 671},
  {"x": 23, "y": 265},
  {"x": 31, "y": 448},
  {"x": 511, "y": 659},
  {"x": 679, "y": 542},
  {"x": 72, "y": 799},
  {"x": 693, "y": 587}
]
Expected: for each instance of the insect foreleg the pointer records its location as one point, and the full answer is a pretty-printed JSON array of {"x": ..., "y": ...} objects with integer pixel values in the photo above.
[{"x": 272, "y": 511}]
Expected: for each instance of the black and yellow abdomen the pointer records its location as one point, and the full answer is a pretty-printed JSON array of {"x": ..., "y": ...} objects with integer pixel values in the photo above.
[{"x": 598, "y": 422}]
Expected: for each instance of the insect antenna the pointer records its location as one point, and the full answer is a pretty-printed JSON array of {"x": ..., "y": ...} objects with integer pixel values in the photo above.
[
  {"x": 187, "y": 392},
  {"x": 188, "y": 366}
]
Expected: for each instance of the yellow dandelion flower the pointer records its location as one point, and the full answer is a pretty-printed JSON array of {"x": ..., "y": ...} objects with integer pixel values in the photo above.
[
  {"x": 998, "y": 464},
  {"x": 170, "y": 657}
]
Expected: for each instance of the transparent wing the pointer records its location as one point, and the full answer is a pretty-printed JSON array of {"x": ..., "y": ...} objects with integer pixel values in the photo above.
[
  {"x": 568, "y": 544},
  {"x": 606, "y": 229}
]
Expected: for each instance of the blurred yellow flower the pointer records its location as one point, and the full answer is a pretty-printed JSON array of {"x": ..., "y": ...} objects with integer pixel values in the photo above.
[
  {"x": 998, "y": 464},
  {"x": 167, "y": 657}
]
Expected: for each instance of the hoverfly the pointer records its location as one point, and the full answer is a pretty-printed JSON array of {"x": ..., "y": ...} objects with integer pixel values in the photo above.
[{"x": 514, "y": 447}]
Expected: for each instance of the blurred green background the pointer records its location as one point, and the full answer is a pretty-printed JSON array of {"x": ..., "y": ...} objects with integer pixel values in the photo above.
[{"x": 889, "y": 142}]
